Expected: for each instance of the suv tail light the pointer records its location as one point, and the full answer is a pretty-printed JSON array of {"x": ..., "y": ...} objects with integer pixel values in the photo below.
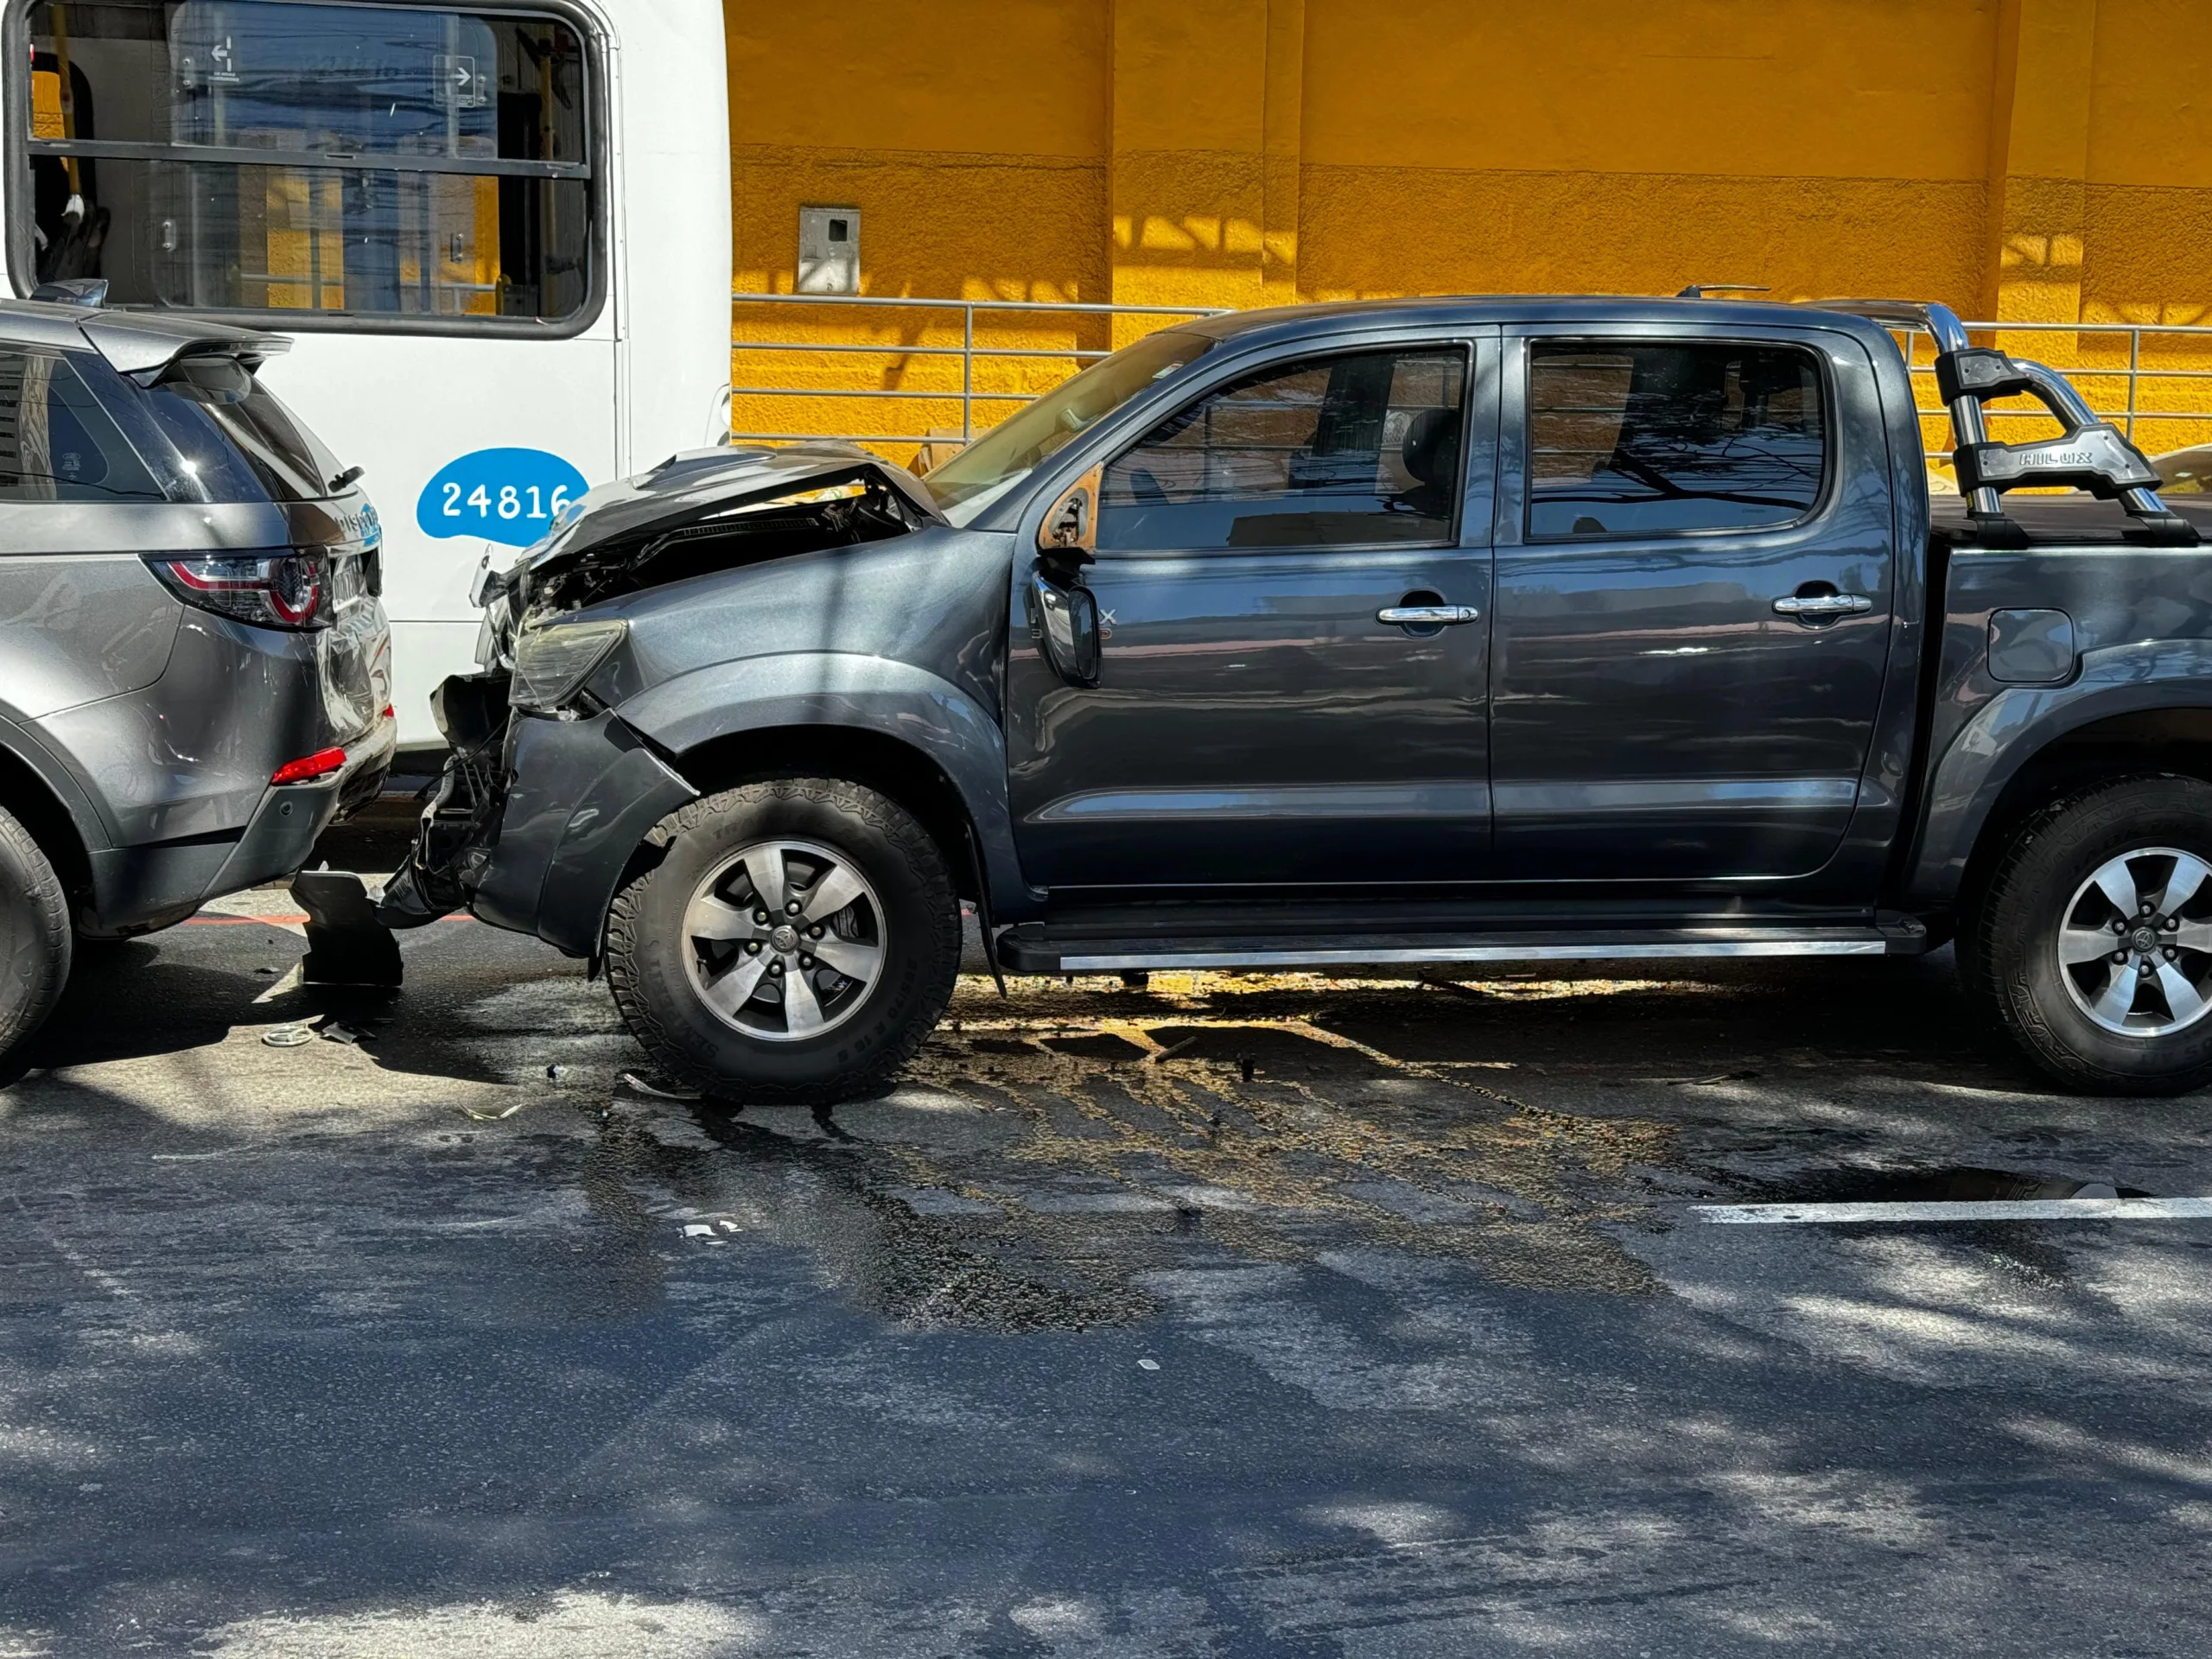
[{"x": 290, "y": 589}]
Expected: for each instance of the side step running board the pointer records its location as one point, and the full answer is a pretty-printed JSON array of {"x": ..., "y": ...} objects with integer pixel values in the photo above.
[{"x": 1027, "y": 951}]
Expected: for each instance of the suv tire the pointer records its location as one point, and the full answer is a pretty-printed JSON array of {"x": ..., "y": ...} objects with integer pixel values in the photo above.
[
  {"x": 812, "y": 993},
  {"x": 35, "y": 948},
  {"x": 2126, "y": 864}
]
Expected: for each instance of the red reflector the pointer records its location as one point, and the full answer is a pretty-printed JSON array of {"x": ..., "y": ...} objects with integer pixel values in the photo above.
[
  {"x": 388, "y": 714},
  {"x": 308, "y": 767}
]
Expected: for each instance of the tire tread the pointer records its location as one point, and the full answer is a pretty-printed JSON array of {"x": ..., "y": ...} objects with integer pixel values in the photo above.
[
  {"x": 52, "y": 936},
  {"x": 1995, "y": 975},
  {"x": 626, "y": 920}
]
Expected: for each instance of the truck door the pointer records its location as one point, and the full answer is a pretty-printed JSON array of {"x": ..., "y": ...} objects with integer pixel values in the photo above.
[
  {"x": 1694, "y": 579},
  {"x": 1290, "y": 575}
]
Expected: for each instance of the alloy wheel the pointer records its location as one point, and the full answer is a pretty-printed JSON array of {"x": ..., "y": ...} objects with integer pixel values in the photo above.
[
  {"x": 2135, "y": 943},
  {"x": 784, "y": 940}
]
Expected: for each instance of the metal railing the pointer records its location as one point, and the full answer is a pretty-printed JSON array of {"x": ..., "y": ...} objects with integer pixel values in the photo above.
[
  {"x": 2089, "y": 378},
  {"x": 968, "y": 351}
]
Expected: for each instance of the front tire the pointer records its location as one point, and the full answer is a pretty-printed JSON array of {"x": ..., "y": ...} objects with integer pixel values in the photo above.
[
  {"x": 797, "y": 943},
  {"x": 35, "y": 937},
  {"x": 2091, "y": 943}
]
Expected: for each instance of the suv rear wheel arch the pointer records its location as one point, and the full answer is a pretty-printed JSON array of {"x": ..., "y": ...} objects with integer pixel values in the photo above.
[{"x": 35, "y": 805}]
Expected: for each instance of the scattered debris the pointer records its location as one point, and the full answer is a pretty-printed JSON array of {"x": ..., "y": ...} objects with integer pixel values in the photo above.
[
  {"x": 555, "y": 1073},
  {"x": 1148, "y": 1364},
  {"x": 1165, "y": 1053},
  {"x": 697, "y": 1230},
  {"x": 637, "y": 1084},
  {"x": 338, "y": 1032},
  {"x": 471, "y": 1113},
  {"x": 287, "y": 1036},
  {"x": 1244, "y": 1065}
]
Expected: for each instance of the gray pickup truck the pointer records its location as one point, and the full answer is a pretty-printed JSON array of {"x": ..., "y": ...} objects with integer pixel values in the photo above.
[{"x": 1385, "y": 637}]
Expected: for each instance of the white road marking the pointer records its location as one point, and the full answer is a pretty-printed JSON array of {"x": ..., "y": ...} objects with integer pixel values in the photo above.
[{"x": 1802, "y": 1215}]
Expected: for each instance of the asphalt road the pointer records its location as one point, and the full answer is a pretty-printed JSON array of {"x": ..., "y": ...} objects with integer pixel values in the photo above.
[{"x": 1227, "y": 1317}]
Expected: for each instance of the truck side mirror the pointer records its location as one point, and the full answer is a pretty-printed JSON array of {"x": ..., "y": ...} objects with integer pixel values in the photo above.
[
  {"x": 1069, "y": 530},
  {"x": 1063, "y": 619}
]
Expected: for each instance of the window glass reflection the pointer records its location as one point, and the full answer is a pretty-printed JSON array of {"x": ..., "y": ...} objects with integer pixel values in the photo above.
[
  {"x": 1633, "y": 441},
  {"x": 419, "y": 161}
]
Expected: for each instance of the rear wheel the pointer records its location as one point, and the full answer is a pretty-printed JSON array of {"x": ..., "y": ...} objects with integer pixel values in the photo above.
[
  {"x": 797, "y": 943},
  {"x": 2092, "y": 943},
  {"x": 35, "y": 934}
]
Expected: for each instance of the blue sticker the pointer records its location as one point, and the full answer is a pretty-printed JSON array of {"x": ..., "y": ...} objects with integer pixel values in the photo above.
[{"x": 498, "y": 495}]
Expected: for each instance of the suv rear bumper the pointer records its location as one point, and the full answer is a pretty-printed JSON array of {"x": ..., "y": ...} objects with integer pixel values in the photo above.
[{"x": 136, "y": 889}]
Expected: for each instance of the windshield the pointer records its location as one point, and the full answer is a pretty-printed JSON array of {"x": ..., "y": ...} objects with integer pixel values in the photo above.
[{"x": 1035, "y": 430}]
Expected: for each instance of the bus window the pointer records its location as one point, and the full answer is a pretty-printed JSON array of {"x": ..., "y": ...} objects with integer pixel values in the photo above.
[{"x": 279, "y": 158}]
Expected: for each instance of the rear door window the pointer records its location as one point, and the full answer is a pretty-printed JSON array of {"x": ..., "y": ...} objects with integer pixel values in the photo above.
[
  {"x": 1347, "y": 450},
  {"x": 1633, "y": 440},
  {"x": 57, "y": 443}
]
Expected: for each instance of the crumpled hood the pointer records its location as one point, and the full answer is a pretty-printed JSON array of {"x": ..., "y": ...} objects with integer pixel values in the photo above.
[{"x": 706, "y": 509}]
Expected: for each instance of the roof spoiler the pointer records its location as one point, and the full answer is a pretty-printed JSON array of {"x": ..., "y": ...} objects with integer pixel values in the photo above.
[
  {"x": 144, "y": 347},
  {"x": 2093, "y": 454}
]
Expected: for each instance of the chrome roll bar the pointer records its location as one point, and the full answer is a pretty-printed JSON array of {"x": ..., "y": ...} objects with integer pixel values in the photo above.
[{"x": 1970, "y": 427}]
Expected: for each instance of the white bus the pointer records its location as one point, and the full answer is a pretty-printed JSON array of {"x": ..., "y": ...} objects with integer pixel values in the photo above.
[{"x": 499, "y": 235}]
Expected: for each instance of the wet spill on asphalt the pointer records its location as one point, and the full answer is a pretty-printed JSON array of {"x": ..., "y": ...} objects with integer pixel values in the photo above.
[{"x": 1044, "y": 1154}]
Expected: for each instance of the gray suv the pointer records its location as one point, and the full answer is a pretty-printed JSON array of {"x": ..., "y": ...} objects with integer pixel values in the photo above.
[{"x": 194, "y": 667}]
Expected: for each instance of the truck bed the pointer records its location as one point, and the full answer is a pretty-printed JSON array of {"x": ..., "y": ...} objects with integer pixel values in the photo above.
[{"x": 2075, "y": 519}]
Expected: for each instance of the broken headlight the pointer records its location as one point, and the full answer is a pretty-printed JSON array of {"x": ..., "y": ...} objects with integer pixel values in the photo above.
[{"x": 553, "y": 661}]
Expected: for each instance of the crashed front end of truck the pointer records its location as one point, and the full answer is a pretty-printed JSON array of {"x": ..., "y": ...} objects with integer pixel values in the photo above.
[{"x": 544, "y": 777}]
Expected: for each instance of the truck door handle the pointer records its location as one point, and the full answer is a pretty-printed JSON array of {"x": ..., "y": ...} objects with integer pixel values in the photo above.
[
  {"x": 1426, "y": 616},
  {"x": 1823, "y": 605}
]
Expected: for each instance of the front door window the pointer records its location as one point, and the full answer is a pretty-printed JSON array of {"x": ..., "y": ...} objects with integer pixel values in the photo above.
[{"x": 1354, "y": 450}]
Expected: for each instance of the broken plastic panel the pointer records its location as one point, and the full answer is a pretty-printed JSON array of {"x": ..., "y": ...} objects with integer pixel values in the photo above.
[{"x": 347, "y": 946}]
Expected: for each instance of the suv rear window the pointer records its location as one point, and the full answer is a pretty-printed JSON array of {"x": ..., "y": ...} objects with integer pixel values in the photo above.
[
  {"x": 57, "y": 443},
  {"x": 1659, "y": 439},
  {"x": 286, "y": 457}
]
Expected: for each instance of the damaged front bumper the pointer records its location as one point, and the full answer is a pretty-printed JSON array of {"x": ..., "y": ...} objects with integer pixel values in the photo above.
[{"x": 534, "y": 822}]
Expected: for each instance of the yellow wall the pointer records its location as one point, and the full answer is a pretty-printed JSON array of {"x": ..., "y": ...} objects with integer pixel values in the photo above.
[{"x": 2028, "y": 159}]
